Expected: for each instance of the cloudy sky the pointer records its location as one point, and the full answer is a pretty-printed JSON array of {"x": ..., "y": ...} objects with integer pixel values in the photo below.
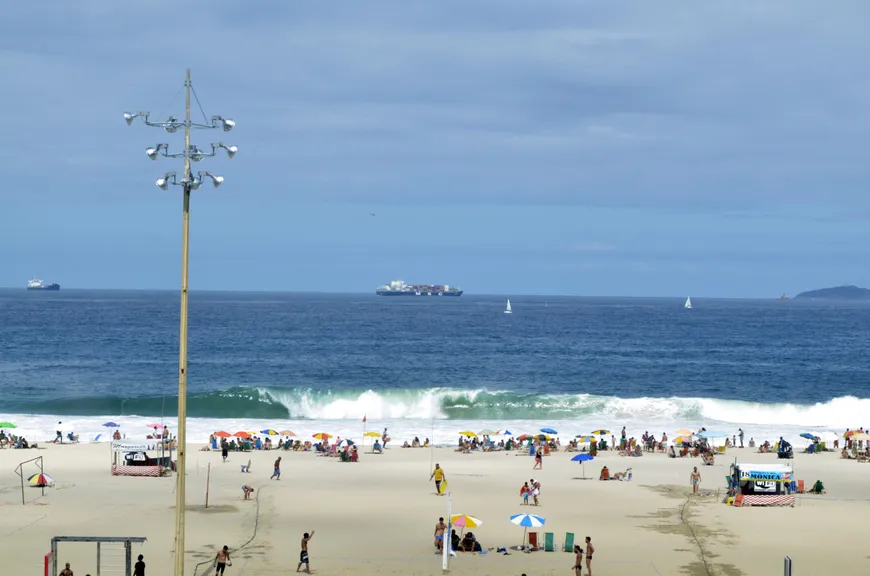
[{"x": 551, "y": 147}]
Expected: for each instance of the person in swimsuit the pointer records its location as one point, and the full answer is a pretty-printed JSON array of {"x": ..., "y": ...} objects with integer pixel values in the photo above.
[
  {"x": 303, "y": 556},
  {"x": 590, "y": 549},
  {"x": 696, "y": 480},
  {"x": 66, "y": 571},
  {"x": 539, "y": 459},
  {"x": 225, "y": 449},
  {"x": 578, "y": 560},
  {"x": 248, "y": 491},
  {"x": 440, "y": 528},
  {"x": 277, "y": 473},
  {"x": 222, "y": 558},
  {"x": 438, "y": 475}
]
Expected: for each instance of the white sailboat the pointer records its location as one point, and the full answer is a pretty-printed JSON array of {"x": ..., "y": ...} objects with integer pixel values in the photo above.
[
  {"x": 507, "y": 310},
  {"x": 688, "y": 303}
]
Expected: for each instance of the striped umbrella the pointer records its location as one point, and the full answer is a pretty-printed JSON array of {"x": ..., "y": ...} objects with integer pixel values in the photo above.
[
  {"x": 527, "y": 521},
  {"x": 601, "y": 432},
  {"x": 321, "y": 436},
  {"x": 268, "y": 432},
  {"x": 40, "y": 480}
]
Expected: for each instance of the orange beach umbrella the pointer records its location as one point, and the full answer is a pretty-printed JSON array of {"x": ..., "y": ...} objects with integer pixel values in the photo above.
[
  {"x": 322, "y": 436},
  {"x": 222, "y": 434},
  {"x": 242, "y": 435}
]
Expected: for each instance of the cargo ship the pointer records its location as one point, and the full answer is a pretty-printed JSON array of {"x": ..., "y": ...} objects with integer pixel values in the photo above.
[
  {"x": 37, "y": 284},
  {"x": 399, "y": 288}
]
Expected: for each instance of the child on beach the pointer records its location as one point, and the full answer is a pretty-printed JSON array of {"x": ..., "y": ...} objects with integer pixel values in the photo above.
[
  {"x": 524, "y": 492},
  {"x": 303, "y": 556},
  {"x": 248, "y": 491}
]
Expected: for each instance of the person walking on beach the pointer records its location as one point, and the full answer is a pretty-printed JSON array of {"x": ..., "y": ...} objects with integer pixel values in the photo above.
[
  {"x": 440, "y": 528},
  {"x": 66, "y": 571},
  {"x": 139, "y": 568},
  {"x": 590, "y": 550},
  {"x": 740, "y": 435},
  {"x": 303, "y": 556},
  {"x": 438, "y": 475},
  {"x": 277, "y": 473},
  {"x": 578, "y": 560},
  {"x": 225, "y": 449},
  {"x": 222, "y": 560},
  {"x": 696, "y": 480},
  {"x": 539, "y": 459}
]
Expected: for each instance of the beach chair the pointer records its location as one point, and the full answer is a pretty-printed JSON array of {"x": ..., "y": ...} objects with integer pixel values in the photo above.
[
  {"x": 549, "y": 542},
  {"x": 568, "y": 545},
  {"x": 533, "y": 540}
]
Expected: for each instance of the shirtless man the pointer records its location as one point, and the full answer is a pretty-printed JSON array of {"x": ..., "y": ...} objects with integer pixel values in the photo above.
[
  {"x": 303, "y": 556},
  {"x": 696, "y": 480},
  {"x": 66, "y": 571},
  {"x": 277, "y": 473},
  {"x": 222, "y": 558},
  {"x": 578, "y": 560},
  {"x": 590, "y": 550},
  {"x": 440, "y": 528}
]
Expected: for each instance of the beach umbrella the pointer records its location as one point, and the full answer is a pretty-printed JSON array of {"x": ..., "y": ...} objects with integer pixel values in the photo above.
[
  {"x": 808, "y": 436},
  {"x": 97, "y": 437},
  {"x": 111, "y": 425},
  {"x": 287, "y": 433},
  {"x": 321, "y": 436},
  {"x": 684, "y": 432},
  {"x": 468, "y": 433},
  {"x": 507, "y": 432},
  {"x": 7, "y": 425},
  {"x": 269, "y": 432},
  {"x": 242, "y": 434},
  {"x": 465, "y": 521},
  {"x": 601, "y": 432},
  {"x": 582, "y": 438},
  {"x": 40, "y": 480},
  {"x": 344, "y": 441},
  {"x": 548, "y": 431},
  {"x": 860, "y": 436},
  {"x": 681, "y": 439},
  {"x": 372, "y": 434},
  {"x": 489, "y": 432},
  {"x": 848, "y": 434},
  {"x": 527, "y": 521},
  {"x": 154, "y": 425},
  {"x": 713, "y": 434},
  {"x": 222, "y": 434},
  {"x": 582, "y": 458}
]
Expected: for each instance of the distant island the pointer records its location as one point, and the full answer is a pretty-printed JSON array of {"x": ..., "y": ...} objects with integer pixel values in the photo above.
[{"x": 838, "y": 293}]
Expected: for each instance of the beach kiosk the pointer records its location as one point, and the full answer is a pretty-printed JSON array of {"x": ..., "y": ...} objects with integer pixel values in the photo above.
[
  {"x": 761, "y": 484},
  {"x": 145, "y": 458}
]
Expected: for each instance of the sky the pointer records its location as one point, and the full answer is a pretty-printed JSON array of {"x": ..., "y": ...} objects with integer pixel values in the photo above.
[{"x": 509, "y": 147}]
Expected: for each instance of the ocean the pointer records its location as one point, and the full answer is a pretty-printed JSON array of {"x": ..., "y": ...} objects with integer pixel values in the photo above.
[{"x": 431, "y": 367}]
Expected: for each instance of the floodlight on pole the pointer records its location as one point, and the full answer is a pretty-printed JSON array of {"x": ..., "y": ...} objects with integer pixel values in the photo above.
[{"x": 188, "y": 182}]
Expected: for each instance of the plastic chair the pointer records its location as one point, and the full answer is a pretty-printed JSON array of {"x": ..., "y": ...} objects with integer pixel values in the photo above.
[
  {"x": 549, "y": 542},
  {"x": 568, "y": 546},
  {"x": 533, "y": 540}
]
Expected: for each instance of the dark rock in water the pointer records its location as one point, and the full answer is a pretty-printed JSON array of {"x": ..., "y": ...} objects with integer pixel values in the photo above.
[{"x": 838, "y": 293}]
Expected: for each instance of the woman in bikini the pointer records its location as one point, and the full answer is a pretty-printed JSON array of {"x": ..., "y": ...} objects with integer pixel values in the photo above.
[{"x": 578, "y": 560}]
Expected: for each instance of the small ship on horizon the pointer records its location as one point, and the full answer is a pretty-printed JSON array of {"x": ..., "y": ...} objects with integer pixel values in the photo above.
[
  {"x": 37, "y": 284},
  {"x": 399, "y": 288}
]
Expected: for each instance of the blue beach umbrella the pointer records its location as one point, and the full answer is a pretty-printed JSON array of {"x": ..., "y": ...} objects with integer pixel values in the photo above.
[
  {"x": 808, "y": 436},
  {"x": 582, "y": 458},
  {"x": 548, "y": 431},
  {"x": 713, "y": 434},
  {"x": 111, "y": 425},
  {"x": 527, "y": 521}
]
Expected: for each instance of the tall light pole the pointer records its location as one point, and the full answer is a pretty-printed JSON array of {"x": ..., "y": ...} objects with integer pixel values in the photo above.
[{"x": 188, "y": 182}]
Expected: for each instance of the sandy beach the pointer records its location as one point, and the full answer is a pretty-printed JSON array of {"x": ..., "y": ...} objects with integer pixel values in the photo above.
[{"x": 378, "y": 516}]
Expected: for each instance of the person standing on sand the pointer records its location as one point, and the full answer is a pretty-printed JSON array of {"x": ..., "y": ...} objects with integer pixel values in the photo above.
[
  {"x": 139, "y": 568},
  {"x": 696, "y": 480},
  {"x": 578, "y": 560},
  {"x": 440, "y": 528},
  {"x": 277, "y": 473},
  {"x": 303, "y": 556},
  {"x": 225, "y": 449},
  {"x": 222, "y": 560},
  {"x": 539, "y": 459},
  {"x": 438, "y": 475},
  {"x": 590, "y": 550},
  {"x": 740, "y": 435},
  {"x": 66, "y": 571}
]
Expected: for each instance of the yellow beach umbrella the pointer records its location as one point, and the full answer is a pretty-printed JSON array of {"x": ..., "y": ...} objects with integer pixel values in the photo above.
[
  {"x": 322, "y": 436},
  {"x": 372, "y": 434},
  {"x": 585, "y": 438},
  {"x": 681, "y": 439},
  {"x": 601, "y": 432},
  {"x": 684, "y": 432},
  {"x": 468, "y": 433},
  {"x": 489, "y": 432},
  {"x": 287, "y": 433},
  {"x": 465, "y": 521}
]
